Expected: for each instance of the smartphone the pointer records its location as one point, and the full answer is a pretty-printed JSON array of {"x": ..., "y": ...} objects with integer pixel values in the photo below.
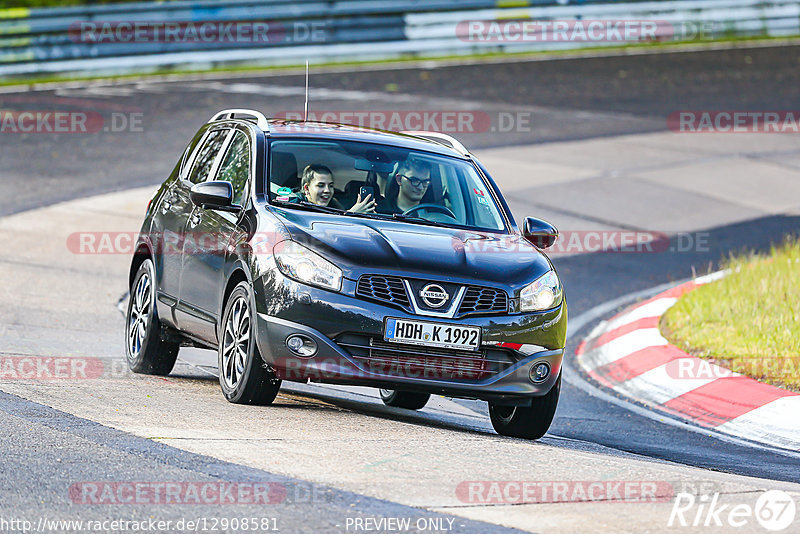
[{"x": 366, "y": 190}]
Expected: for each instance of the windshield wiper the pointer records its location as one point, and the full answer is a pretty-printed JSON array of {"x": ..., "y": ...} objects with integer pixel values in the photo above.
[
  {"x": 304, "y": 204},
  {"x": 418, "y": 220},
  {"x": 311, "y": 206},
  {"x": 367, "y": 215}
]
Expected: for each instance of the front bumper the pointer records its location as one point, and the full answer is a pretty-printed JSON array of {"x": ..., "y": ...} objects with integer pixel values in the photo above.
[{"x": 286, "y": 307}]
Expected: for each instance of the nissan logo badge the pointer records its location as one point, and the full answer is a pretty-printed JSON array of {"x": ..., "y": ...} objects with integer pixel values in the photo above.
[{"x": 434, "y": 295}]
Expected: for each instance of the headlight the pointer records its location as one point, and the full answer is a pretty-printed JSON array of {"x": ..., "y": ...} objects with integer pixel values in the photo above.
[
  {"x": 298, "y": 262},
  {"x": 542, "y": 294}
]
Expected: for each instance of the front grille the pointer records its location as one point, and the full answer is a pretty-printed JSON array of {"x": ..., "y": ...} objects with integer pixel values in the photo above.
[
  {"x": 384, "y": 288},
  {"x": 415, "y": 361},
  {"x": 483, "y": 300}
]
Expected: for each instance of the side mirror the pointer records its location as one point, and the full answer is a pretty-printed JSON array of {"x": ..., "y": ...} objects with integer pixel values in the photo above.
[
  {"x": 212, "y": 195},
  {"x": 539, "y": 232}
]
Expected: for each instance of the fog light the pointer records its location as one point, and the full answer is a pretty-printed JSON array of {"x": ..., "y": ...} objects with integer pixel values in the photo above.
[
  {"x": 301, "y": 345},
  {"x": 539, "y": 372}
]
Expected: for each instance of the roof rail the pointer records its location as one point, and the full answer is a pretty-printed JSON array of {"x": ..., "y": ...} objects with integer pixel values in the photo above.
[
  {"x": 442, "y": 139},
  {"x": 261, "y": 120}
]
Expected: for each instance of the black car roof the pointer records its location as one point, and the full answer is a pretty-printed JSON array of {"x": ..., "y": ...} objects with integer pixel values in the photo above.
[{"x": 282, "y": 128}]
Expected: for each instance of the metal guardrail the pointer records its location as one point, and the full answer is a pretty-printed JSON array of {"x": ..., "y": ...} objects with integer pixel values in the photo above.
[{"x": 51, "y": 40}]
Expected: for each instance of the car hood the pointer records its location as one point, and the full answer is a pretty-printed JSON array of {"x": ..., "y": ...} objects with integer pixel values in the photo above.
[{"x": 360, "y": 245}]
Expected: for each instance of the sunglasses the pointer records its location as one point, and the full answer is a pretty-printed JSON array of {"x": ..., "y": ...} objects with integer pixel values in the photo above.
[{"x": 416, "y": 182}]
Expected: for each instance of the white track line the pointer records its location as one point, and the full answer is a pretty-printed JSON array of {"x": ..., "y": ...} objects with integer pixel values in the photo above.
[
  {"x": 657, "y": 386},
  {"x": 769, "y": 422},
  {"x": 624, "y": 345},
  {"x": 655, "y": 308}
]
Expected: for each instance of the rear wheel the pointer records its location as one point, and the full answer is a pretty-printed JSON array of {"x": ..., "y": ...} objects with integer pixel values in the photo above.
[
  {"x": 147, "y": 346},
  {"x": 243, "y": 375},
  {"x": 530, "y": 422},
  {"x": 404, "y": 399}
]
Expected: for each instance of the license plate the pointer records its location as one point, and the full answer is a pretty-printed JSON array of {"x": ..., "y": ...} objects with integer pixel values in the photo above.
[{"x": 447, "y": 336}]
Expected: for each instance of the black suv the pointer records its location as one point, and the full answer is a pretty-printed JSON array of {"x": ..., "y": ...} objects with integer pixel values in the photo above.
[{"x": 432, "y": 289}]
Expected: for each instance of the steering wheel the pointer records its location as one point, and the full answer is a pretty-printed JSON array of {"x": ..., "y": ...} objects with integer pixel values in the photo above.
[{"x": 432, "y": 207}]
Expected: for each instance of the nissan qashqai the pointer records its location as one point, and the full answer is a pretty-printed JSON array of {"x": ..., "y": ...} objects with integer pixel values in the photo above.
[{"x": 305, "y": 251}]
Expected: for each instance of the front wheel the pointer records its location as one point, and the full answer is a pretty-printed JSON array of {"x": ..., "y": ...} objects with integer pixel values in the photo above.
[
  {"x": 531, "y": 422},
  {"x": 404, "y": 399},
  {"x": 243, "y": 375},
  {"x": 147, "y": 347}
]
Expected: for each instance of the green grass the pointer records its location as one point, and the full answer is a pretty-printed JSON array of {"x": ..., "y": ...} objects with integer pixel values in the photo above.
[
  {"x": 489, "y": 56},
  {"x": 748, "y": 321}
]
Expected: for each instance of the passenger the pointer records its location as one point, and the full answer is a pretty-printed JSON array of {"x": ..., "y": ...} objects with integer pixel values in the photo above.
[
  {"x": 317, "y": 188},
  {"x": 411, "y": 181}
]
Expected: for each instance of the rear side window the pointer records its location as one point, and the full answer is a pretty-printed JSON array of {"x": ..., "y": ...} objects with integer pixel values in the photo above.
[
  {"x": 204, "y": 160},
  {"x": 236, "y": 166}
]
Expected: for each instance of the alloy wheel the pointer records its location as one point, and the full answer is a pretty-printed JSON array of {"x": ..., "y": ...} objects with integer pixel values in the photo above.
[
  {"x": 139, "y": 317},
  {"x": 236, "y": 343}
]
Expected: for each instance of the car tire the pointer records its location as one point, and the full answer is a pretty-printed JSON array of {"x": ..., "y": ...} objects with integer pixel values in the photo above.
[
  {"x": 530, "y": 422},
  {"x": 404, "y": 399},
  {"x": 243, "y": 375},
  {"x": 147, "y": 346}
]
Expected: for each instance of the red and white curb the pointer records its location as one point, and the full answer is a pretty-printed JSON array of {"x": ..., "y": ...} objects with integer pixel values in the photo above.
[{"x": 628, "y": 354}]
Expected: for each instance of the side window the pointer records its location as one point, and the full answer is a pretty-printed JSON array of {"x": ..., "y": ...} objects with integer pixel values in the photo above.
[
  {"x": 204, "y": 160},
  {"x": 478, "y": 201},
  {"x": 453, "y": 196},
  {"x": 235, "y": 167},
  {"x": 183, "y": 163}
]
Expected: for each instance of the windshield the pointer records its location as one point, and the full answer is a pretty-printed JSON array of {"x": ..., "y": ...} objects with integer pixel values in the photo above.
[{"x": 380, "y": 180}]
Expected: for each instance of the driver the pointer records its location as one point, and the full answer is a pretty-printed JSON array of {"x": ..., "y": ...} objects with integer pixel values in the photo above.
[{"x": 412, "y": 177}]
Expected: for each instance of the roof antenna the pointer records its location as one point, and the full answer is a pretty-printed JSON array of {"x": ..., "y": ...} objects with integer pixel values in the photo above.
[{"x": 305, "y": 114}]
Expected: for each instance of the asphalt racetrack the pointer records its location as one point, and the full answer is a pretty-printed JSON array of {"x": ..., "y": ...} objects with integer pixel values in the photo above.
[{"x": 583, "y": 143}]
